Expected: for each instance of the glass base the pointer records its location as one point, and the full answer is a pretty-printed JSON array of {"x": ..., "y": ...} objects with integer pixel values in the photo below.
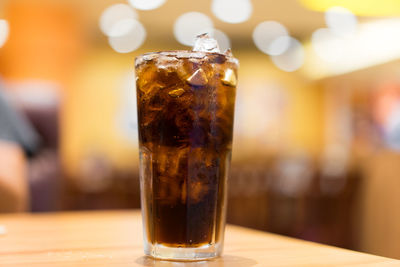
[{"x": 163, "y": 252}]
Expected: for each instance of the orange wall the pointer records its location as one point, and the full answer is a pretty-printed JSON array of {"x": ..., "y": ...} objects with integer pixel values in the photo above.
[{"x": 44, "y": 43}]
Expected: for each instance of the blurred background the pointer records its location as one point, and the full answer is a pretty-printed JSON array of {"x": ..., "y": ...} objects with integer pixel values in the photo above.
[{"x": 317, "y": 128}]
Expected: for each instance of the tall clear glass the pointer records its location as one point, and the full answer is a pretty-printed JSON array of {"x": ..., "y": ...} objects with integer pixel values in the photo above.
[{"x": 185, "y": 112}]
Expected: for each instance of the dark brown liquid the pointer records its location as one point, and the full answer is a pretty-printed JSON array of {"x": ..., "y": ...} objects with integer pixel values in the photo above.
[{"x": 185, "y": 134}]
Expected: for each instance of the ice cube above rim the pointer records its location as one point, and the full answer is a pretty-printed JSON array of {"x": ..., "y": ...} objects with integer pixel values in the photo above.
[{"x": 205, "y": 43}]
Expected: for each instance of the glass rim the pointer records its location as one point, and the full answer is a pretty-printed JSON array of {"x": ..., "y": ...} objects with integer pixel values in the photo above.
[{"x": 182, "y": 54}]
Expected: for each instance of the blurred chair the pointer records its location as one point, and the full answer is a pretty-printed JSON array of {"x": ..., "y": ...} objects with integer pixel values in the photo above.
[
  {"x": 292, "y": 196},
  {"x": 379, "y": 212}
]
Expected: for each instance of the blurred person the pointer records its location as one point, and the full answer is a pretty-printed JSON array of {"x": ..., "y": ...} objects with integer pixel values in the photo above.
[
  {"x": 13, "y": 178},
  {"x": 18, "y": 142}
]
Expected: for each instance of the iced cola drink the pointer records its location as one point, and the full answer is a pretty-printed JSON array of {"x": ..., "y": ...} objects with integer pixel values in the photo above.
[{"x": 185, "y": 113}]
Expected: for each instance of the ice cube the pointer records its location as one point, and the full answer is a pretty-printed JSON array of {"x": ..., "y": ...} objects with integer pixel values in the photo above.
[
  {"x": 184, "y": 191},
  {"x": 229, "y": 78},
  {"x": 204, "y": 43},
  {"x": 162, "y": 161},
  {"x": 150, "y": 118},
  {"x": 167, "y": 189},
  {"x": 176, "y": 158},
  {"x": 228, "y": 52},
  {"x": 176, "y": 93},
  {"x": 197, "y": 191},
  {"x": 198, "y": 78}
]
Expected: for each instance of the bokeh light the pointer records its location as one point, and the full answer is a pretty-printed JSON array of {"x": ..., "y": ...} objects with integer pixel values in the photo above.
[
  {"x": 279, "y": 45},
  {"x": 133, "y": 37},
  {"x": 4, "y": 31},
  {"x": 369, "y": 8},
  {"x": 232, "y": 11},
  {"x": 341, "y": 21},
  {"x": 326, "y": 45},
  {"x": 111, "y": 16},
  {"x": 375, "y": 42},
  {"x": 266, "y": 33},
  {"x": 189, "y": 25},
  {"x": 146, "y": 4},
  {"x": 293, "y": 58}
]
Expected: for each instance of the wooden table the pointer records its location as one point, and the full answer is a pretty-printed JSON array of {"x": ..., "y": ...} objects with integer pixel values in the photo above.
[{"x": 115, "y": 239}]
